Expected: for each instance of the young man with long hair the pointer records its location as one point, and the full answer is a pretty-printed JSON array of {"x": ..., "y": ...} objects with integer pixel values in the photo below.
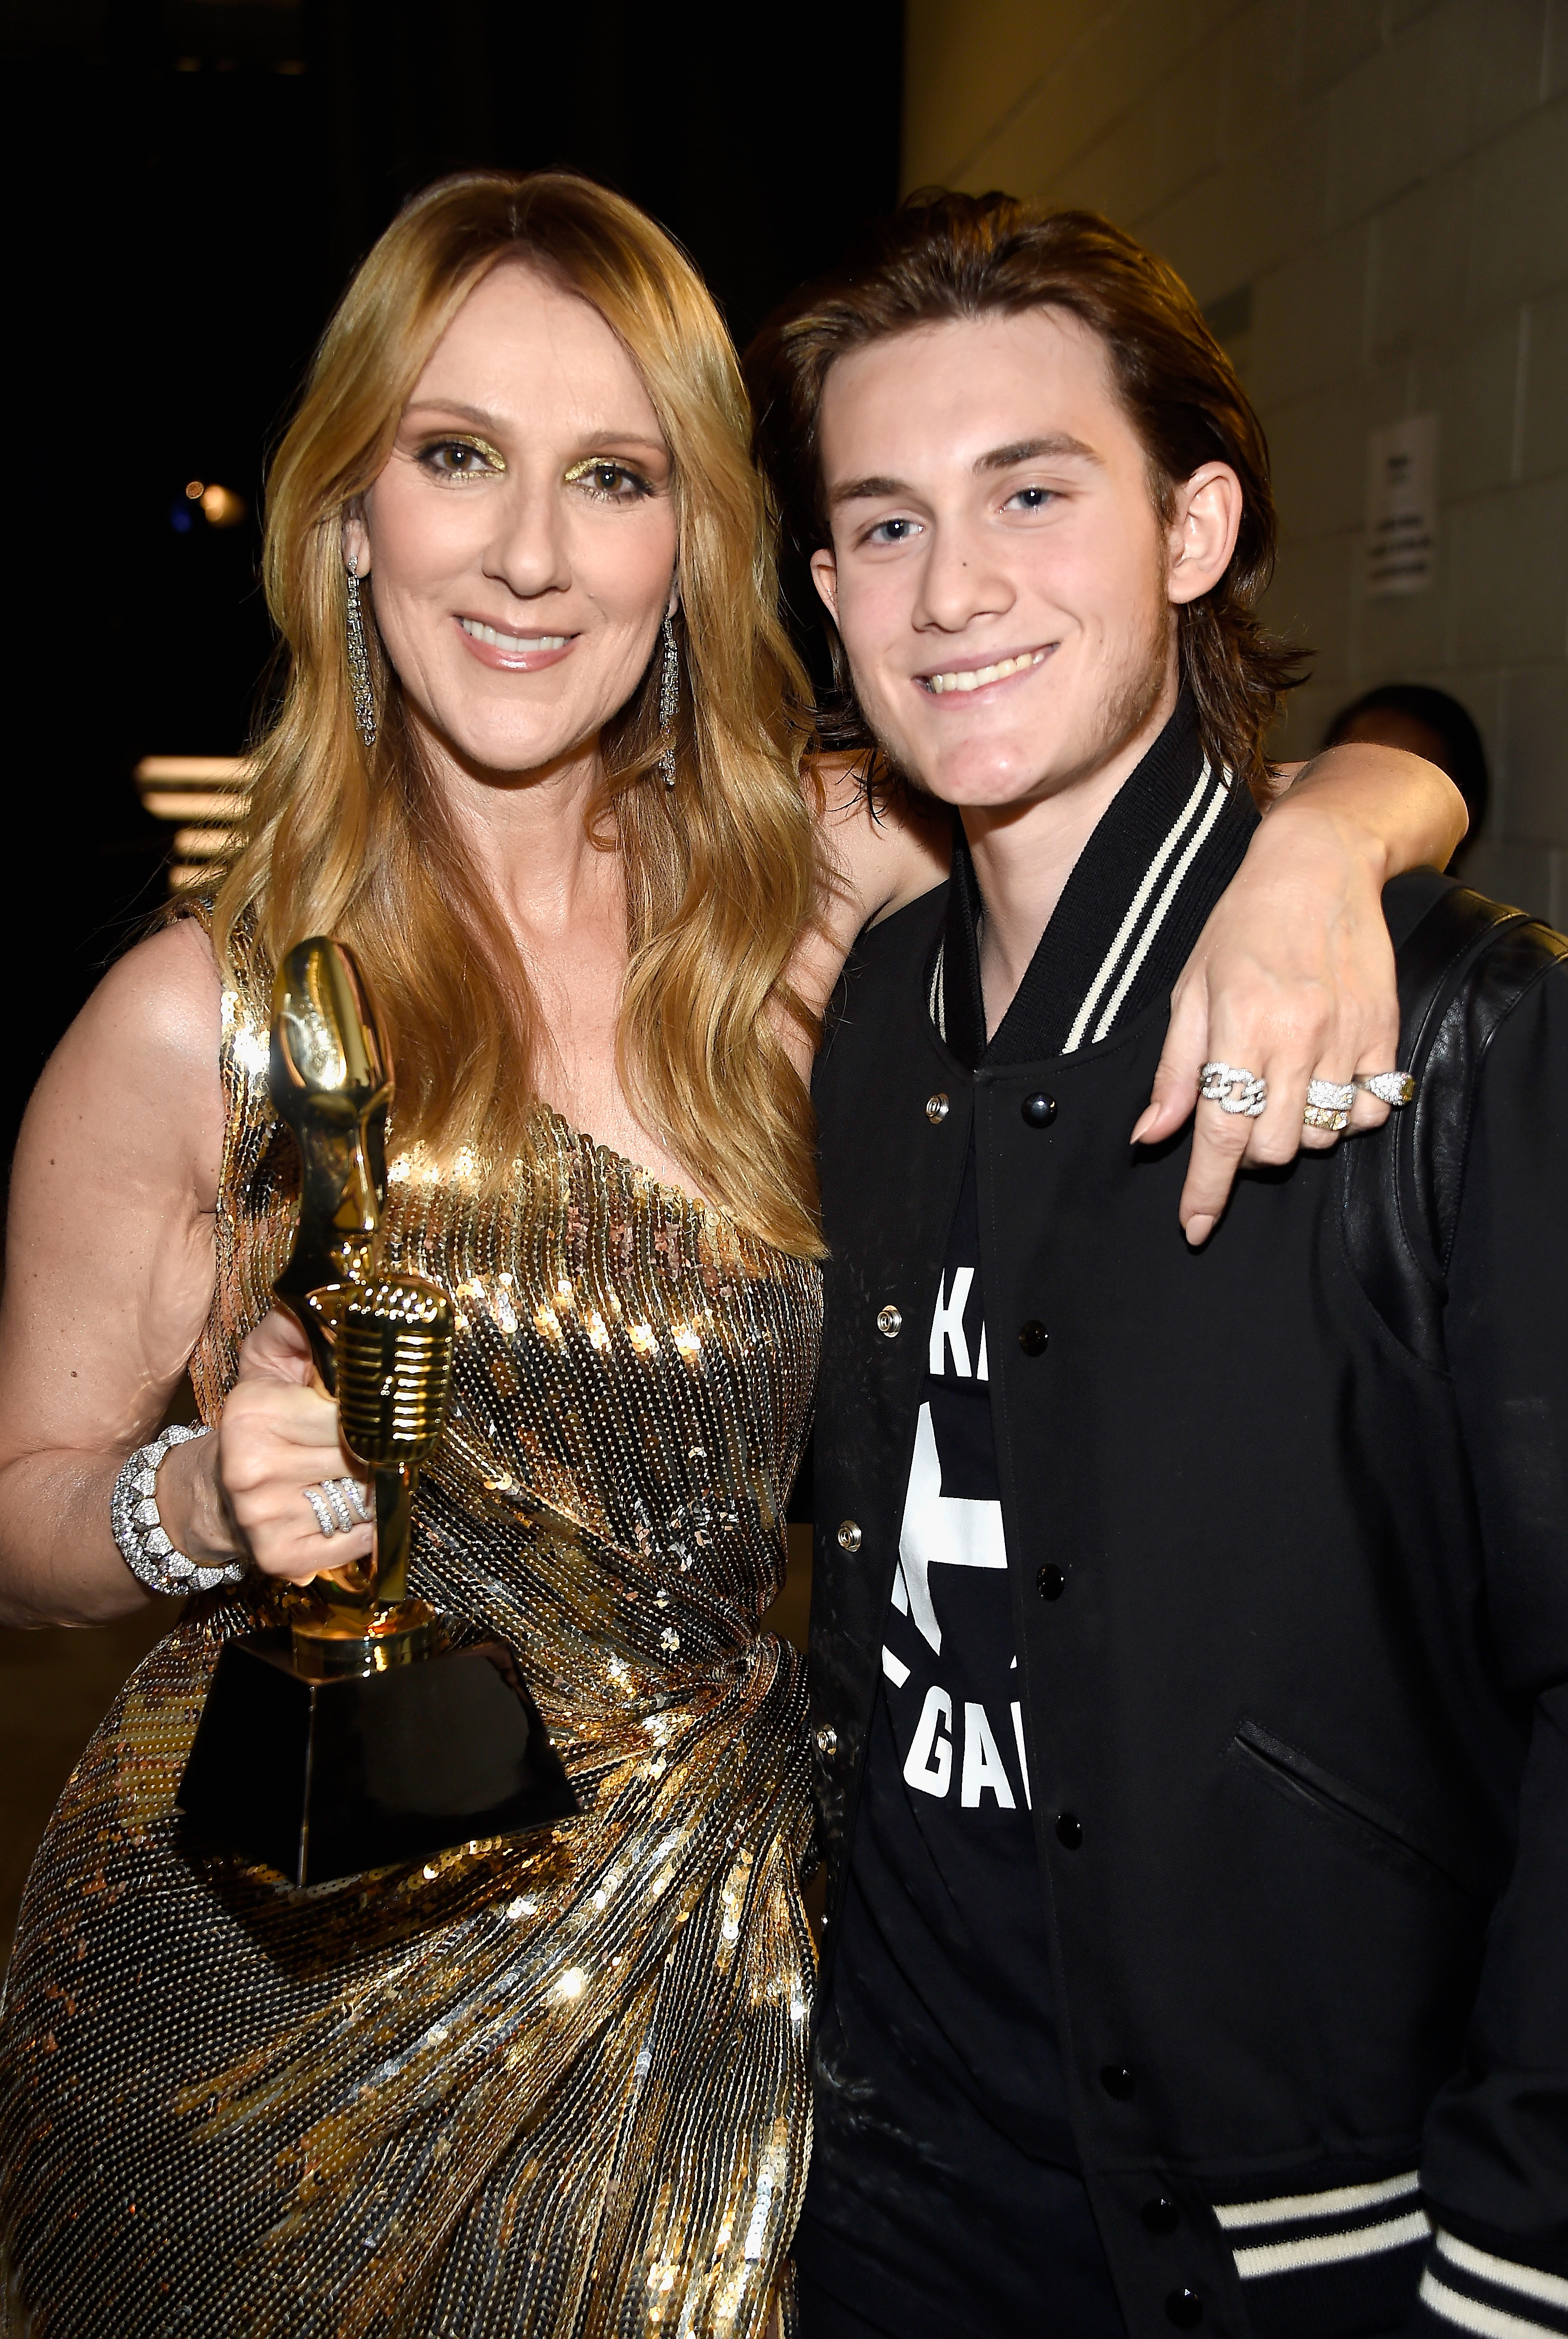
[{"x": 1190, "y": 1642}]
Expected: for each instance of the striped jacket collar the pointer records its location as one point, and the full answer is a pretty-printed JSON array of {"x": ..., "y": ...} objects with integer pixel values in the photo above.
[{"x": 1164, "y": 851}]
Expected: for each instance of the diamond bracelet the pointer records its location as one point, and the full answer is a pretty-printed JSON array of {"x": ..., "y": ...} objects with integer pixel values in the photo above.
[{"x": 145, "y": 1547}]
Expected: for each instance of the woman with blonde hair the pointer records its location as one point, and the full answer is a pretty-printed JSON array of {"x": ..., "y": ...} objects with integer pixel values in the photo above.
[{"x": 538, "y": 762}]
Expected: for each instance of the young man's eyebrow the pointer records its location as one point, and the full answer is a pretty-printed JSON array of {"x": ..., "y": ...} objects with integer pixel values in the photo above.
[
  {"x": 855, "y": 491},
  {"x": 1033, "y": 450},
  {"x": 1055, "y": 445}
]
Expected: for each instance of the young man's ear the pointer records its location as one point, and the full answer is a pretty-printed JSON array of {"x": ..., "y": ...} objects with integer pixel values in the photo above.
[
  {"x": 825, "y": 576},
  {"x": 1203, "y": 530}
]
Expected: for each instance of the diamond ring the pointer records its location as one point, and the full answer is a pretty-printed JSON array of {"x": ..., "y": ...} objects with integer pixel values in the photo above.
[
  {"x": 1326, "y": 1116},
  {"x": 1388, "y": 1087},
  {"x": 1334, "y": 1096},
  {"x": 1233, "y": 1088},
  {"x": 339, "y": 1505}
]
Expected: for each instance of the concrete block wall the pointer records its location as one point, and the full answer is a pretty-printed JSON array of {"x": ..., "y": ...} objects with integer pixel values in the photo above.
[{"x": 1372, "y": 195}]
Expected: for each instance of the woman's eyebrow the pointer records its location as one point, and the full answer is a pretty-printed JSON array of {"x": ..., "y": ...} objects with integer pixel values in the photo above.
[
  {"x": 482, "y": 420},
  {"x": 477, "y": 415}
]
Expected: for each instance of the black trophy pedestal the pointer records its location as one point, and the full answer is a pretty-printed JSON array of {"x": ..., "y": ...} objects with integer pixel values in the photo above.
[{"x": 327, "y": 1778}]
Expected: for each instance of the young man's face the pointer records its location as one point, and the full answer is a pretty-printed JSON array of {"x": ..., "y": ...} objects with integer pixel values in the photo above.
[{"x": 999, "y": 573}]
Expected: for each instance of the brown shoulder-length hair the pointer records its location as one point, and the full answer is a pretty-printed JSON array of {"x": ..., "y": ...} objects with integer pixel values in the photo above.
[
  {"x": 720, "y": 869},
  {"x": 944, "y": 256}
]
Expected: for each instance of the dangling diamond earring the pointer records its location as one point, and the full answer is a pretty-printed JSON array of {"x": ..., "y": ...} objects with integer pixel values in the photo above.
[
  {"x": 669, "y": 696},
  {"x": 359, "y": 660}
]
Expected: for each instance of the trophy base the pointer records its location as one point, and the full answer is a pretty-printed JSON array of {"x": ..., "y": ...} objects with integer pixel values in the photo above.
[
  {"x": 341, "y": 1639},
  {"x": 326, "y": 1775}
]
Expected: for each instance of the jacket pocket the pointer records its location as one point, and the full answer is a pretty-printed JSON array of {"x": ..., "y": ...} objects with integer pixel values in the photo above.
[{"x": 1299, "y": 1780}]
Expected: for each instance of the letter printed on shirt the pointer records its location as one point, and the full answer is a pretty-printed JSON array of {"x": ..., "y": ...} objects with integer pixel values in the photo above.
[
  {"x": 982, "y": 1764},
  {"x": 1018, "y": 1740},
  {"x": 947, "y": 1324},
  {"x": 929, "y": 1764}
]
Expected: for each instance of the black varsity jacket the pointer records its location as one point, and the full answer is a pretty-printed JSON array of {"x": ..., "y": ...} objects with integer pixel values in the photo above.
[{"x": 1287, "y": 1532}]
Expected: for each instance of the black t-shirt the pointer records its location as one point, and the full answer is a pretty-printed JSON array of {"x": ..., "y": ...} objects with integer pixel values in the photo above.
[
  {"x": 944, "y": 1849},
  {"x": 944, "y": 2196}
]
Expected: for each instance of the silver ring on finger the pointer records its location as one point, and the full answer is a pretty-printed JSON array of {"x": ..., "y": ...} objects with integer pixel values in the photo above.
[
  {"x": 350, "y": 1491},
  {"x": 1389, "y": 1088},
  {"x": 1234, "y": 1089},
  {"x": 317, "y": 1498},
  {"x": 1331, "y": 1096},
  {"x": 1326, "y": 1116},
  {"x": 344, "y": 1517}
]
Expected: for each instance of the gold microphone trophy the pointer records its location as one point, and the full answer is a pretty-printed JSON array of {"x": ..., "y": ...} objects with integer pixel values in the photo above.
[{"x": 369, "y": 1729}]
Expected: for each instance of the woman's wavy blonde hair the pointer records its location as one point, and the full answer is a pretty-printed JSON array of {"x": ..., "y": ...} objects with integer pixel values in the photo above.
[{"x": 720, "y": 869}]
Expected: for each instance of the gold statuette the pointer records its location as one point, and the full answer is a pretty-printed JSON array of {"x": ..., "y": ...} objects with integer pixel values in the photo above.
[
  {"x": 383, "y": 1346},
  {"x": 372, "y": 1730}
]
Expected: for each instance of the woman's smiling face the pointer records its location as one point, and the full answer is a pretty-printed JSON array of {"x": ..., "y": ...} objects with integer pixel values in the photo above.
[{"x": 521, "y": 540}]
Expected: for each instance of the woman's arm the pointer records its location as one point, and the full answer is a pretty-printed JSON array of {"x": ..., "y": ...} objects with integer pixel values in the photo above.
[
  {"x": 110, "y": 1270},
  {"x": 1293, "y": 975}
]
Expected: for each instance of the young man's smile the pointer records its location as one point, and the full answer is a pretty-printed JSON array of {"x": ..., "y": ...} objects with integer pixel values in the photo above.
[{"x": 981, "y": 671}]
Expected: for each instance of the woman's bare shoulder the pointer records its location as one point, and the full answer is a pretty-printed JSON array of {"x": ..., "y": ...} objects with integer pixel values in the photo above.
[
  {"x": 167, "y": 986},
  {"x": 138, "y": 1068}
]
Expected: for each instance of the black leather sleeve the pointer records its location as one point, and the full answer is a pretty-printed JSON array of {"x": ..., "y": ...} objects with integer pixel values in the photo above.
[{"x": 1496, "y": 2168}]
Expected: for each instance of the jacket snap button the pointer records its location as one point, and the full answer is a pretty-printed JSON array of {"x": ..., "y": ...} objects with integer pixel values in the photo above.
[
  {"x": 826, "y": 1740},
  {"x": 1162, "y": 2215},
  {"x": 1033, "y": 1338},
  {"x": 1039, "y": 1112},
  {"x": 849, "y": 1536},
  {"x": 890, "y": 1322},
  {"x": 1118, "y": 2081},
  {"x": 1185, "y": 2308},
  {"x": 1050, "y": 1582},
  {"x": 937, "y": 1108},
  {"x": 1069, "y": 1829}
]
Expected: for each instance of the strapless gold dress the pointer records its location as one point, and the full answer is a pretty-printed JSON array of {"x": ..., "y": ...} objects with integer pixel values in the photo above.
[{"x": 551, "y": 2087}]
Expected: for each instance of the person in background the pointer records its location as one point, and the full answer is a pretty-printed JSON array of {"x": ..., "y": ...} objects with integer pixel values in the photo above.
[{"x": 1425, "y": 721}]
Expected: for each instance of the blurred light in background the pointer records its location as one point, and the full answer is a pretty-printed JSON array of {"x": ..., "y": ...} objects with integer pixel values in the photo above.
[
  {"x": 205, "y": 798},
  {"x": 222, "y": 507}
]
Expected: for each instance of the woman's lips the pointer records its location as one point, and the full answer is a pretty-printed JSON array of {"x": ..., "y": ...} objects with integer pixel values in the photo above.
[
  {"x": 513, "y": 653},
  {"x": 967, "y": 679}
]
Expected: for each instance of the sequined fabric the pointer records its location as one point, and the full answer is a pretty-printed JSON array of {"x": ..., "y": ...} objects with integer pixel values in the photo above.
[{"x": 552, "y": 2086}]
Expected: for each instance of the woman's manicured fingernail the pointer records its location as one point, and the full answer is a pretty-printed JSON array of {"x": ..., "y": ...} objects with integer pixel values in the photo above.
[
  {"x": 1199, "y": 1232},
  {"x": 1145, "y": 1122}
]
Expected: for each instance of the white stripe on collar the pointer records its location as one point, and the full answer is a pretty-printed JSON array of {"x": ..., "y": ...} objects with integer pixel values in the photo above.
[
  {"x": 1156, "y": 916},
  {"x": 1140, "y": 905}
]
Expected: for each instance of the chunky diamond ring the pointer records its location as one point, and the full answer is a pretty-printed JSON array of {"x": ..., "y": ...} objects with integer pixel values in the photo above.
[
  {"x": 1326, "y": 1116},
  {"x": 1333, "y": 1096},
  {"x": 339, "y": 1505},
  {"x": 1388, "y": 1087},
  {"x": 1233, "y": 1088}
]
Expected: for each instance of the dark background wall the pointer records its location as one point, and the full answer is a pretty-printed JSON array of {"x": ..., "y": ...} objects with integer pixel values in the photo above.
[{"x": 189, "y": 185}]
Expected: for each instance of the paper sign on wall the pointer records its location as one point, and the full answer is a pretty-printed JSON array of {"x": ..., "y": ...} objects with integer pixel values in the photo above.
[{"x": 1402, "y": 506}]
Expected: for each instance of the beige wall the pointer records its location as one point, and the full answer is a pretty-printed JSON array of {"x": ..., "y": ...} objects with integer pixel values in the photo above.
[{"x": 1384, "y": 184}]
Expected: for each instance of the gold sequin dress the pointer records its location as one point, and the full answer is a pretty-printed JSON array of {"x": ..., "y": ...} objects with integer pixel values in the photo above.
[{"x": 552, "y": 2086}]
